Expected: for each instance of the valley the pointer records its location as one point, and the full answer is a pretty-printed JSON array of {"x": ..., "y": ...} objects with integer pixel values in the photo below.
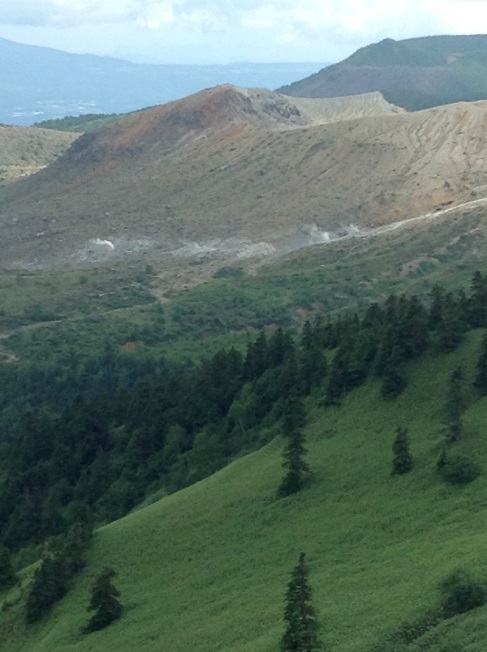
[{"x": 184, "y": 288}]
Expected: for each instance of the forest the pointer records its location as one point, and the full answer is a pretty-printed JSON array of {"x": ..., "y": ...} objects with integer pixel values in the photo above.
[{"x": 87, "y": 435}]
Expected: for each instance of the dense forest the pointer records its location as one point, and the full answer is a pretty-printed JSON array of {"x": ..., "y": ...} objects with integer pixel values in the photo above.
[{"x": 86, "y": 435}]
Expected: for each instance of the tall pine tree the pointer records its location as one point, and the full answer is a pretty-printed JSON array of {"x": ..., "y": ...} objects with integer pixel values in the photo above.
[
  {"x": 294, "y": 452},
  {"x": 481, "y": 377},
  {"x": 301, "y": 632}
]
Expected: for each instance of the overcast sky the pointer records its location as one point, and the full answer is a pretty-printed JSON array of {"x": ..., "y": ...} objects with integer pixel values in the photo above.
[{"x": 223, "y": 31}]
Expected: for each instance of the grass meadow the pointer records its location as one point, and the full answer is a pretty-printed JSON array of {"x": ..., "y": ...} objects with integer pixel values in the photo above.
[{"x": 206, "y": 568}]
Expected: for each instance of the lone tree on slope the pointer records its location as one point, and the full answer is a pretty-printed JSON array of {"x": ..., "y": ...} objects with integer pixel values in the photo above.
[
  {"x": 301, "y": 633},
  {"x": 294, "y": 452},
  {"x": 403, "y": 461},
  {"x": 103, "y": 602},
  {"x": 293, "y": 461}
]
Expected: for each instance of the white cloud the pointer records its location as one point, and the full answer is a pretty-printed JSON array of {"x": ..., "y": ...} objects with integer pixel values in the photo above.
[
  {"x": 285, "y": 29},
  {"x": 348, "y": 16}
]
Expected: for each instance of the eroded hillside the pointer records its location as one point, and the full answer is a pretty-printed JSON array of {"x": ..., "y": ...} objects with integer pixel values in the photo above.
[
  {"x": 242, "y": 174},
  {"x": 26, "y": 150}
]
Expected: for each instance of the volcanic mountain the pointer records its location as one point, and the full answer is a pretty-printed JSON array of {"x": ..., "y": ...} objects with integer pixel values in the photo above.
[
  {"x": 238, "y": 171},
  {"x": 414, "y": 73}
]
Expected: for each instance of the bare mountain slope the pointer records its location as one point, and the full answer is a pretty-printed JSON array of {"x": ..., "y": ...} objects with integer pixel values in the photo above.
[
  {"x": 25, "y": 150},
  {"x": 242, "y": 173}
]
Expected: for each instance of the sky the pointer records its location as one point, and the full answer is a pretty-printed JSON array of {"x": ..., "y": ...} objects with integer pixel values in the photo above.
[{"x": 226, "y": 31}]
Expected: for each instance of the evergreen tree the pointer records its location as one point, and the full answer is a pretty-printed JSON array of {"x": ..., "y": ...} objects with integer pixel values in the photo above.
[
  {"x": 293, "y": 461},
  {"x": 394, "y": 380},
  {"x": 103, "y": 602},
  {"x": 481, "y": 378},
  {"x": 454, "y": 405},
  {"x": 48, "y": 587},
  {"x": 337, "y": 381},
  {"x": 301, "y": 632},
  {"x": 294, "y": 452},
  {"x": 311, "y": 361},
  {"x": 435, "y": 316},
  {"x": 452, "y": 326},
  {"x": 7, "y": 576},
  {"x": 403, "y": 461},
  {"x": 478, "y": 301},
  {"x": 293, "y": 415}
]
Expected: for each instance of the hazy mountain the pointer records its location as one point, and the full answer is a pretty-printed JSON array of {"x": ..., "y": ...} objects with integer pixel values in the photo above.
[
  {"x": 38, "y": 83},
  {"x": 414, "y": 73}
]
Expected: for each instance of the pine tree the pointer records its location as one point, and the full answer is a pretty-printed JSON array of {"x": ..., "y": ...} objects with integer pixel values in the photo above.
[
  {"x": 481, "y": 377},
  {"x": 452, "y": 326},
  {"x": 293, "y": 455},
  {"x": 394, "y": 380},
  {"x": 293, "y": 461},
  {"x": 478, "y": 301},
  {"x": 301, "y": 633},
  {"x": 103, "y": 602},
  {"x": 48, "y": 587},
  {"x": 403, "y": 461}
]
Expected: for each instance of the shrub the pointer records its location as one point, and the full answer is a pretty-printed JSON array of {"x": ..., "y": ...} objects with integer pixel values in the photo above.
[
  {"x": 461, "y": 592},
  {"x": 459, "y": 469}
]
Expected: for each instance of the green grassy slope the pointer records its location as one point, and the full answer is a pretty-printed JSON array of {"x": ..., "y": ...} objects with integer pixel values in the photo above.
[
  {"x": 206, "y": 569},
  {"x": 80, "y": 123}
]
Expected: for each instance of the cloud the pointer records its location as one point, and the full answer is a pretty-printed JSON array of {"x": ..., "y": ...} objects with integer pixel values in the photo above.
[
  {"x": 232, "y": 29},
  {"x": 348, "y": 15},
  {"x": 64, "y": 13}
]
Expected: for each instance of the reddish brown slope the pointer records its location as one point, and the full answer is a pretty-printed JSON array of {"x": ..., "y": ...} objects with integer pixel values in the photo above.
[{"x": 229, "y": 163}]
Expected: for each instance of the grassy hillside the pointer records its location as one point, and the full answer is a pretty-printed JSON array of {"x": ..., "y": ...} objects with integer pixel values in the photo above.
[
  {"x": 207, "y": 568},
  {"x": 80, "y": 123}
]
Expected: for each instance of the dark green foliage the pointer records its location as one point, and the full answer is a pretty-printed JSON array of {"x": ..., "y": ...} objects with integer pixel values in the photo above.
[
  {"x": 301, "y": 632},
  {"x": 48, "y": 587},
  {"x": 394, "y": 381},
  {"x": 312, "y": 363},
  {"x": 477, "y": 304},
  {"x": 96, "y": 426},
  {"x": 452, "y": 325},
  {"x": 82, "y": 123},
  {"x": 63, "y": 558},
  {"x": 458, "y": 468},
  {"x": 402, "y": 461},
  {"x": 293, "y": 415},
  {"x": 104, "y": 602},
  {"x": 461, "y": 591},
  {"x": 454, "y": 405},
  {"x": 293, "y": 462},
  {"x": 295, "y": 451},
  {"x": 481, "y": 377},
  {"x": 7, "y": 576}
]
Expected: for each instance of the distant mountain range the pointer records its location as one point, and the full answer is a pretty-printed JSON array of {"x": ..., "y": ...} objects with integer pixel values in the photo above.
[
  {"x": 415, "y": 73},
  {"x": 38, "y": 83}
]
